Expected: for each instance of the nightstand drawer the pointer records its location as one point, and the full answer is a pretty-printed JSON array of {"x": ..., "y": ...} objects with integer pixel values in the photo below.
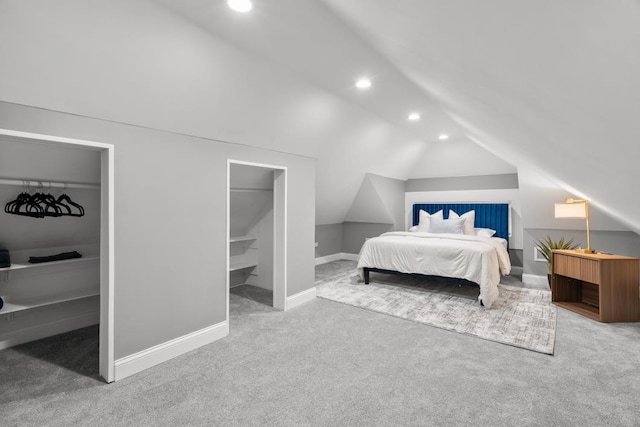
[{"x": 587, "y": 270}]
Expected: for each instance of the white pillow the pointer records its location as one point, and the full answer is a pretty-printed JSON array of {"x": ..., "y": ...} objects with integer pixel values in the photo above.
[
  {"x": 452, "y": 225},
  {"x": 425, "y": 220},
  {"x": 470, "y": 220},
  {"x": 414, "y": 228},
  {"x": 486, "y": 232}
]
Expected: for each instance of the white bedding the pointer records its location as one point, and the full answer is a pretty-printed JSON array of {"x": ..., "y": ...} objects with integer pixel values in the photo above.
[{"x": 476, "y": 258}]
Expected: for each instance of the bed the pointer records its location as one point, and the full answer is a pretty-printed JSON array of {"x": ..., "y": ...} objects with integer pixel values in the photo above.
[{"x": 479, "y": 259}]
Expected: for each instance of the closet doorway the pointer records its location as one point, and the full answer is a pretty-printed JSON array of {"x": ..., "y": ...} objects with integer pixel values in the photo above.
[
  {"x": 256, "y": 230},
  {"x": 79, "y": 292}
]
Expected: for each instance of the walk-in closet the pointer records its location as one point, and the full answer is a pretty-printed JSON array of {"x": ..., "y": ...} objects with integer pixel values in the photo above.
[
  {"x": 50, "y": 237},
  {"x": 257, "y": 234},
  {"x": 251, "y": 231}
]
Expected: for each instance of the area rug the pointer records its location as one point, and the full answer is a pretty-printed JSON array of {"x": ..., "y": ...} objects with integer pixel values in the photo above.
[{"x": 520, "y": 317}]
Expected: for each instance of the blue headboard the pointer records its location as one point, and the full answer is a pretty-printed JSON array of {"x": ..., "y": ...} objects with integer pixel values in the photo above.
[{"x": 488, "y": 215}]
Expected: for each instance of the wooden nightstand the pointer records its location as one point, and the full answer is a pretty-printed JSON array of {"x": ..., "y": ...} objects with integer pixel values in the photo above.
[{"x": 599, "y": 286}]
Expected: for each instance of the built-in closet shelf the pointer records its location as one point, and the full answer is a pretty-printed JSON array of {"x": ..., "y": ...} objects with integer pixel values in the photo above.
[
  {"x": 241, "y": 239},
  {"x": 19, "y": 266},
  {"x": 41, "y": 301},
  {"x": 242, "y": 266}
]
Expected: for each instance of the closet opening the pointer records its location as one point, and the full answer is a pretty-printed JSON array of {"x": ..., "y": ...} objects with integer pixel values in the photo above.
[
  {"x": 256, "y": 235},
  {"x": 57, "y": 228}
]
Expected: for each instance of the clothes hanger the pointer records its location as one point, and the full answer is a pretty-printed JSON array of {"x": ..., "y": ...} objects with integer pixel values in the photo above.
[
  {"x": 37, "y": 199},
  {"x": 28, "y": 205},
  {"x": 51, "y": 207},
  {"x": 13, "y": 206},
  {"x": 63, "y": 206},
  {"x": 66, "y": 201}
]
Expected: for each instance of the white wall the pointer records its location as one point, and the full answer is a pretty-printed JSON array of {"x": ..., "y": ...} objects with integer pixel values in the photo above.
[{"x": 460, "y": 157}]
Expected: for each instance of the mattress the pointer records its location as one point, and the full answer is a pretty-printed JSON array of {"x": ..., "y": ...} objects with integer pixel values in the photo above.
[{"x": 479, "y": 259}]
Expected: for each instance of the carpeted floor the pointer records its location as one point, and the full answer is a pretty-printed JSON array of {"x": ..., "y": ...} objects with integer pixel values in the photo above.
[{"x": 330, "y": 364}]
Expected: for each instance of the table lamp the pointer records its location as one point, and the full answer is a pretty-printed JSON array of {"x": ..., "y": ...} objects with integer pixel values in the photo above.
[{"x": 576, "y": 209}]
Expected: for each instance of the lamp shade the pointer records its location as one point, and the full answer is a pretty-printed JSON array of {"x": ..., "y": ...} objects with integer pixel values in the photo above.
[{"x": 571, "y": 210}]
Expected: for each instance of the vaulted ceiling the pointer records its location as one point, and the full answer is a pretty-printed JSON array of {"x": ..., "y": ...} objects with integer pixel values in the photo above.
[{"x": 550, "y": 88}]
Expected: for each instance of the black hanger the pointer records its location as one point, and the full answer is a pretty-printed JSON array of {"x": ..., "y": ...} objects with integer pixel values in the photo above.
[
  {"x": 25, "y": 205},
  {"x": 51, "y": 208},
  {"x": 39, "y": 204},
  {"x": 66, "y": 202},
  {"x": 46, "y": 202},
  {"x": 13, "y": 206}
]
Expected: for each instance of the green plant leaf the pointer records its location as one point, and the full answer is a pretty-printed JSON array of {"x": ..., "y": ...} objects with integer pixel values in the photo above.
[{"x": 547, "y": 247}]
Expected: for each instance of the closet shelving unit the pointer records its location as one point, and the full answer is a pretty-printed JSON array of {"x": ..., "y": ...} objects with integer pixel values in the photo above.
[
  {"x": 45, "y": 300},
  {"x": 22, "y": 284},
  {"x": 243, "y": 260},
  {"x": 20, "y": 266}
]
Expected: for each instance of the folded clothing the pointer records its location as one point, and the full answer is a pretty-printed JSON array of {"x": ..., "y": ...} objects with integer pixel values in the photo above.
[{"x": 58, "y": 257}]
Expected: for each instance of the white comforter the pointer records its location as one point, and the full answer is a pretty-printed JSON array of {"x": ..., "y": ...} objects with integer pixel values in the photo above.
[{"x": 479, "y": 259}]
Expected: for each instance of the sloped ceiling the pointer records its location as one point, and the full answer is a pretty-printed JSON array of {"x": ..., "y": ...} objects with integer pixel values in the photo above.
[{"x": 552, "y": 88}]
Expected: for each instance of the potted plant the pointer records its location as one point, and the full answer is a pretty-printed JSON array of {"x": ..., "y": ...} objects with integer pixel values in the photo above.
[{"x": 546, "y": 248}]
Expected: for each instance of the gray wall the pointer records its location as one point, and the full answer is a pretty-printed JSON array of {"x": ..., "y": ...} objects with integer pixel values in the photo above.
[
  {"x": 615, "y": 242},
  {"x": 355, "y": 233},
  {"x": 329, "y": 239},
  {"x": 19, "y": 160},
  {"x": 170, "y": 222},
  {"x": 385, "y": 199},
  {"x": 453, "y": 183},
  {"x": 377, "y": 208}
]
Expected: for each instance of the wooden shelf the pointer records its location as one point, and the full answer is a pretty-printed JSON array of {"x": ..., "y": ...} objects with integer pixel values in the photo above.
[
  {"x": 580, "y": 308},
  {"x": 21, "y": 266},
  {"x": 41, "y": 301}
]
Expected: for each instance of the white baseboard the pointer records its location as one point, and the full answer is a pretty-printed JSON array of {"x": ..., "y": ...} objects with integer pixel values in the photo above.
[
  {"x": 145, "y": 359},
  {"x": 532, "y": 279},
  {"x": 300, "y": 298},
  {"x": 23, "y": 335},
  {"x": 336, "y": 257}
]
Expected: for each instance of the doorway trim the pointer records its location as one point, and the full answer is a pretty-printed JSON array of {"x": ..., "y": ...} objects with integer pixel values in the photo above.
[
  {"x": 279, "y": 232},
  {"x": 107, "y": 237}
]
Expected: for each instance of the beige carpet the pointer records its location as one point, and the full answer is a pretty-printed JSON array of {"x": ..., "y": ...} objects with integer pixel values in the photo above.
[{"x": 520, "y": 317}]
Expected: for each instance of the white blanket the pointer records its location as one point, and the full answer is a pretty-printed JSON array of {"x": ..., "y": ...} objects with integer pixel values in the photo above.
[{"x": 479, "y": 259}]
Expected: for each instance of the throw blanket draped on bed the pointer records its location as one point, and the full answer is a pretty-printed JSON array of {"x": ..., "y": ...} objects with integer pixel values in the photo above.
[{"x": 479, "y": 259}]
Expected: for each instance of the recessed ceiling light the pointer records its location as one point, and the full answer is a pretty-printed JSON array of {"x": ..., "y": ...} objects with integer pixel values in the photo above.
[
  {"x": 414, "y": 116},
  {"x": 443, "y": 137},
  {"x": 240, "y": 5},
  {"x": 363, "y": 83}
]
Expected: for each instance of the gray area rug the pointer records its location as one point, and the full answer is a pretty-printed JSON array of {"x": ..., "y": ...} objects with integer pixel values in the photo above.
[{"x": 520, "y": 317}]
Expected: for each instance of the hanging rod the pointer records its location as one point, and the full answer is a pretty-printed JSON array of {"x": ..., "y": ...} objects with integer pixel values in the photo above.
[{"x": 47, "y": 184}]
